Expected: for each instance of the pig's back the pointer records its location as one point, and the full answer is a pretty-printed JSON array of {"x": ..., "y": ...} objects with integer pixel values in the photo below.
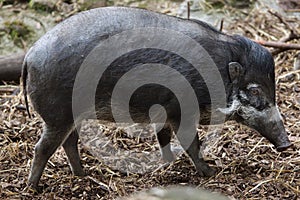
[{"x": 79, "y": 34}]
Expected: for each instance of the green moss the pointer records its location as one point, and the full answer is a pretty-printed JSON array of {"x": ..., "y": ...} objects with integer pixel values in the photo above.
[
  {"x": 143, "y": 5},
  {"x": 42, "y": 6},
  {"x": 17, "y": 31},
  {"x": 217, "y": 4},
  {"x": 110, "y": 2},
  {"x": 87, "y": 4}
]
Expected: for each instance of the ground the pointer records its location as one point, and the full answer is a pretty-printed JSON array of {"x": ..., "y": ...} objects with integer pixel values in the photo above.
[{"x": 248, "y": 165}]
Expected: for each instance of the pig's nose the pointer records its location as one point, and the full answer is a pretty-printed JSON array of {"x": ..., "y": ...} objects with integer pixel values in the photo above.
[{"x": 284, "y": 146}]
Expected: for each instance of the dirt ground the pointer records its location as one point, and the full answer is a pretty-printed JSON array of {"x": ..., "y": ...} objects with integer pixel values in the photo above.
[{"x": 248, "y": 165}]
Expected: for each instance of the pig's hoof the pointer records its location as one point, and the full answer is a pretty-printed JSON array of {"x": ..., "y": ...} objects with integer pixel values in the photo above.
[
  {"x": 79, "y": 173},
  {"x": 283, "y": 147},
  {"x": 167, "y": 155},
  {"x": 211, "y": 172},
  {"x": 33, "y": 188},
  {"x": 206, "y": 171}
]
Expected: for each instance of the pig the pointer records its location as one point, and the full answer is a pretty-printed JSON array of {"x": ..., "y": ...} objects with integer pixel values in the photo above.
[{"x": 51, "y": 65}]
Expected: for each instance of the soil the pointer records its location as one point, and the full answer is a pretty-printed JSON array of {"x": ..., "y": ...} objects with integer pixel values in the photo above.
[{"x": 248, "y": 165}]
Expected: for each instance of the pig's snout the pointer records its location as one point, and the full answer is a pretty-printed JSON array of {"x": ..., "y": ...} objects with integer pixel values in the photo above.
[
  {"x": 269, "y": 124},
  {"x": 284, "y": 147},
  {"x": 273, "y": 129},
  {"x": 283, "y": 144},
  {"x": 279, "y": 139}
]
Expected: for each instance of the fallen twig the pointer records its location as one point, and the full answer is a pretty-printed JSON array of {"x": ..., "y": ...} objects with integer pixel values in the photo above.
[
  {"x": 221, "y": 25},
  {"x": 188, "y": 9},
  {"x": 279, "y": 45},
  {"x": 294, "y": 34},
  {"x": 282, "y": 20}
]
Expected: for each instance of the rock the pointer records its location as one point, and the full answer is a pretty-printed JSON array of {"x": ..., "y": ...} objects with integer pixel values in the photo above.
[{"x": 176, "y": 193}]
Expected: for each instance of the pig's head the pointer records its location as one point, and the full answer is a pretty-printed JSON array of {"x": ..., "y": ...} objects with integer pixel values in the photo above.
[{"x": 252, "y": 98}]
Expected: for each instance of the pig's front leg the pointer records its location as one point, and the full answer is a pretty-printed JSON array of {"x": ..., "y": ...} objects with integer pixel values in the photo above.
[{"x": 191, "y": 144}]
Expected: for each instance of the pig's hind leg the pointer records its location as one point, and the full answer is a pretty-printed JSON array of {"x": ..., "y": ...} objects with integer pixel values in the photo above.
[
  {"x": 71, "y": 148},
  {"x": 50, "y": 140},
  {"x": 164, "y": 139}
]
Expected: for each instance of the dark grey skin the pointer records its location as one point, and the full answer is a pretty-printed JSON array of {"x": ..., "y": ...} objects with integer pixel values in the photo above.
[{"x": 50, "y": 68}]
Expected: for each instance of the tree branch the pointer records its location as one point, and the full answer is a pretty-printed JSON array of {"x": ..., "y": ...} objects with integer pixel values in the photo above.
[{"x": 11, "y": 67}]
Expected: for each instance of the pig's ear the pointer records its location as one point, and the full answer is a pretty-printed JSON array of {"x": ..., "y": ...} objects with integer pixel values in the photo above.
[{"x": 236, "y": 70}]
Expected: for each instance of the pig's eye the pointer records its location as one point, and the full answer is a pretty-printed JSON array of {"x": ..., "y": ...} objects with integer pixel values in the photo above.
[{"x": 254, "y": 91}]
